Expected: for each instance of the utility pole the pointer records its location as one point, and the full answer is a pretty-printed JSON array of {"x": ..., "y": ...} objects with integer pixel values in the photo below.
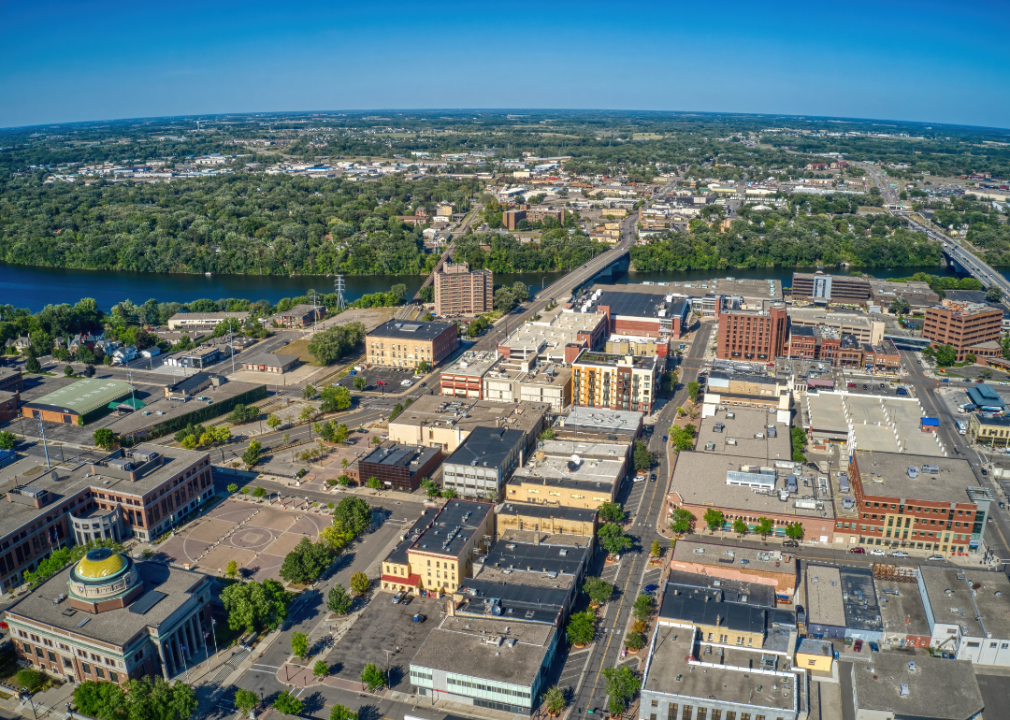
[
  {"x": 231, "y": 343},
  {"x": 46, "y": 447}
]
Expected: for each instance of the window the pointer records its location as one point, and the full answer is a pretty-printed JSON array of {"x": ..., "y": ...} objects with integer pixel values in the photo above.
[
  {"x": 85, "y": 668},
  {"x": 114, "y": 677},
  {"x": 68, "y": 663},
  {"x": 671, "y": 713},
  {"x": 99, "y": 672}
]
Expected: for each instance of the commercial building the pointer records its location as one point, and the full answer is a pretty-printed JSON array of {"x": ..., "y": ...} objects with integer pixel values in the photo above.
[
  {"x": 460, "y": 291},
  {"x": 9, "y": 402},
  {"x": 752, "y": 334},
  {"x": 881, "y": 424},
  {"x": 435, "y": 421},
  {"x": 598, "y": 424},
  {"x": 465, "y": 377},
  {"x": 512, "y": 218},
  {"x": 578, "y": 474},
  {"x": 405, "y": 344},
  {"x": 968, "y": 613},
  {"x": 913, "y": 501},
  {"x": 552, "y": 519},
  {"x": 815, "y": 655},
  {"x": 902, "y": 612},
  {"x": 964, "y": 326},
  {"x": 79, "y": 403},
  {"x": 861, "y": 326},
  {"x": 640, "y": 311},
  {"x": 439, "y": 551},
  {"x": 203, "y": 321},
  {"x": 11, "y": 380},
  {"x": 839, "y": 289},
  {"x": 918, "y": 295},
  {"x": 398, "y": 467},
  {"x": 615, "y": 382},
  {"x": 300, "y": 316},
  {"x": 111, "y": 618},
  {"x": 896, "y": 686},
  {"x": 270, "y": 363},
  {"x": 480, "y": 467},
  {"x": 993, "y": 431},
  {"x": 687, "y": 677},
  {"x": 530, "y": 380},
  {"x": 557, "y": 336},
  {"x": 728, "y": 389},
  {"x": 199, "y": 357},
  {"x": 139, "y": 493},
  {"x": 842, "y": 603},
  {"x": 772, "y": 568}
]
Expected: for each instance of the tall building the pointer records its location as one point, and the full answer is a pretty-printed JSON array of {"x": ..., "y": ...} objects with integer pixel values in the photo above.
[
  {"x": 460, "y": 291},
  {"x": 970, "y": 328},
  {"x": 753, "y": 334},
  {"x": 840, "y": 289},
  {"x": 617, "y": 382},
  {"x": 512, "y": 218},
  {"x": 405, "y": 344}
]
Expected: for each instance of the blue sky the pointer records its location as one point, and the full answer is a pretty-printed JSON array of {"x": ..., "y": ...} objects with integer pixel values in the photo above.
[{"x": 96, "y": 60}]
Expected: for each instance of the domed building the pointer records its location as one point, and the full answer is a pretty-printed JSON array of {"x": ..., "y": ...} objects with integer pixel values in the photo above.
[{"x": 110, "y": 617}]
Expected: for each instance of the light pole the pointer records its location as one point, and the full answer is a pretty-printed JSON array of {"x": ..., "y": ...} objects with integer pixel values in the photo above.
[
  {"x": 185, "y": 662},
  {"x": 44, "y": 446},
  {"x": 28, "y": 696}
]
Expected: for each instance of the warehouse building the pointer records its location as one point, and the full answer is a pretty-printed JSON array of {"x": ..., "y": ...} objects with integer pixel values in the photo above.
[{"x": 79, "y": 403}]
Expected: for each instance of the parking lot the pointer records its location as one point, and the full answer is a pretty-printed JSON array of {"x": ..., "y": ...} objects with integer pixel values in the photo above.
[
  {"x": 384, "y": 626},
  {"x": 392, "y": 377}
]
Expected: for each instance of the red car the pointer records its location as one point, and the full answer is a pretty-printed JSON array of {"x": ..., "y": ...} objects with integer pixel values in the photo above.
[
  {"x": 858, "y": 550},
  {"x": 858, "y": 647}
]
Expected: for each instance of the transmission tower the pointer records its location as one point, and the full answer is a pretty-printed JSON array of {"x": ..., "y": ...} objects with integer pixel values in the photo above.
[{"x": 338, "y": 288}]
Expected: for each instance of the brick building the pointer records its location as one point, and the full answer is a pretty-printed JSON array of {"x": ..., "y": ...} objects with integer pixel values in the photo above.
[
  {"x": 300, "y": 316},
  {"x": 841, "y": 289},
  {"x": 512, "y": 218},
  {"x": 752, "y": 334},
  {"x": 405, "y": 344},
  {"x": 964, "y": 326},
  {"x": 78, "y": 403},
  {"x": 616, "y": 382},
  {"x": 398, "y": 467},
  {"x": 460, "y": 291}
]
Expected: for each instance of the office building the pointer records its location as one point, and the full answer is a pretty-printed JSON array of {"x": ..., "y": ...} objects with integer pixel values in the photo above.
[
  {"x": 896, "y": 686},
  {"x": 615, "y": 382},
  {"x": 837, "y": 289},
  {"x": 480, "y": 467},
  {"x": 406, "y": 344},
  {"x": 866, "y": 330},
  {"x": 398, "y": 467},
  {"x": 558, "y": 336},
  {"x": 970, "y": 328},
  {"x": 435, "y": 421},
  {"x": 578, "y": 474},
  {"x": 753, "y": 334},
  {"x": 599, "y": 425},
  {"x": 512, "y": 218},
  {"x": 842, "y": 603},
  {"x": 968, "y": 612},
  {"x": 769, "y": 567},
  {"x": 460, "y": 291},
  {"x": 638, "y": 310},
  {"x": 111, "y": 618},
  {"x": 551, "y": 519},
  {"x": 528, "y": 379}
]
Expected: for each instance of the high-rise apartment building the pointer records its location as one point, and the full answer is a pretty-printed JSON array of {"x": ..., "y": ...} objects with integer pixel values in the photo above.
[
  {"x": 617, "y": 382},
  {"x": 753, "y": 334},
  {"x": 458, "y": 291}
]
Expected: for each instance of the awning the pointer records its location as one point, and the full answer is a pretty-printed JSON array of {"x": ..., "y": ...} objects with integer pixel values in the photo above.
[{"x": 131, "y": 405}]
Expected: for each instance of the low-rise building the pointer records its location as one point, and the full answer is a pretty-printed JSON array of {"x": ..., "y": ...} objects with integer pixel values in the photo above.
[
  {"x": 11, "y": 380},
  {"x": 480, "y": 467},
  {"x": 842, "y": 603},
  {"x": 436, "y": 421},
  {"x": 725, "y": 389},
  {"x": 991, "y": 430},
  {"x": 896, "y": 686},
  {"x": 9, "y": 402},
  {"x": 902, "y": 612},
  {"x": 815, "y": 655},
  {"x": 398, "y": 467},
  {"x": 772, "y": 568},
  {"x": 599, "y": 424},
  {"x": 406, "y": 344},
  {"x": 199, "y": 357},
  {"x": 968, "y": 612},
  {"x": 576, "y": 474},
  {"x": 530, "y": 380},
  {"x": 820, "y": 288},
  {"x": 861, "y": 326},
  {"x": 641, "y": 311},
  {"x": 616, "y": 382},
  {"x": 557, "y": 336},
  {"x": 552, "y": 519},
  {"x": 79, "y": 403},
  {"x": 299, "y": 316},
  {"x": 203, "y": 321},
  {"x": 270, "y": 363}
]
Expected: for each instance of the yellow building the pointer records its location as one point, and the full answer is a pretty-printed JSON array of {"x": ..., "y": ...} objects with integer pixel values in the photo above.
[
  {"x": 553, "y": 478},
  {"x": 815, "y": 655},
  {"x": 439, "y": 550},
  {"x": 546, "y": 519},
  {"x": 993, "y": 431}
]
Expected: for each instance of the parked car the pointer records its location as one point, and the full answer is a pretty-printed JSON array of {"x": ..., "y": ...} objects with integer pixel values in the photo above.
[
  {"x": 858, "y": 550},
  {"x": 397, "y": 598},
  {"x": 640, "y": 478},
  {"x": 791, "y": 543},
  {"x": 899, "y": 553},
  {"x": 865, "y": 388},
  {"x": 851, "y": 385},
  {"x": 858, "y": 646},
  {"x": 651, "y": 587},
  {"x": 876, "y": 551},
  {"x": 874, "y": 647},
  {"x": 935, "y": 557},
  {"x": 406, "y": 383}
]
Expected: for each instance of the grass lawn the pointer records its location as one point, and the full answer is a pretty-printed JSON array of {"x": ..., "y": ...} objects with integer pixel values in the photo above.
[{"x": 301, "y": 349}]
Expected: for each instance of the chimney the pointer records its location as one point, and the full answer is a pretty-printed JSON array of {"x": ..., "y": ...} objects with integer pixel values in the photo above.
[{"x": 718, "y": 620}]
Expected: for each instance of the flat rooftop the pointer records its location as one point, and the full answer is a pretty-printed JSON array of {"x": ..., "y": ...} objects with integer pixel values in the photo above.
[
  {"x": 743, "y": 429},
  {"x": 523, "y": 597},
  {"x": 116, "y": 626},
  {"x": 673, "y": 668},
  {"x": 747, "y": 288},
  {"x": 407, "y": 331},
  {"x": 583, "y": 418},
  {"x": 463, "y": 645},
  {"x": 396, "y": 455},
  {"x": 737, "y": 591},
  {"x": 859, "y": 599},
  {"x": 83, "y": 396},
  {"x": 469, "y": 414},
  {"x": 937, "y": 689},
  {"x": 901, "y": 608},
  {"x": 547, "y": 511},
  {"x": 399, "y": 554},
  {"x": 647, "y": 306},
  {"x": 886, "y": 474},
  {"x": 824, "y": 596},
  {"x": 957, "y": 608},
  {"x": 880, "y": 424},
  {"x": 735, "y": 556},
  {"x": 451, "y": 528},
  {"x": 486, "y": 447},
  {"x": 471, "y": 363},
  {"x": 603, "y": 359},
  {"x": 156, "y": 403},
  {"x": 818, "y": 316},
  {"x": 597, "y": 462},
  {"x": 532, "y": 558}
]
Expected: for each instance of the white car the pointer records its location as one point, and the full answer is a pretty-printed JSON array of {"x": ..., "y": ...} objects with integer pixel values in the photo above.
[
  {"x": 640, "y": 478},
  {"x": 877, "y": 552},
  {"x": 406, "y": 383},
  {"x": 899, "y": 553}
]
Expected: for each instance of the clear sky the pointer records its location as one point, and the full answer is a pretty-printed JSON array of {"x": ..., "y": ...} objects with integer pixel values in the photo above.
[{"x": 64, "y": 61}]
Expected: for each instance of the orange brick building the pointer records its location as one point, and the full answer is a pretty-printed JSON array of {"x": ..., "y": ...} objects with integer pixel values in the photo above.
[
  {"x": 752, "y": 334},
  {"x": 964, "y": 326}
]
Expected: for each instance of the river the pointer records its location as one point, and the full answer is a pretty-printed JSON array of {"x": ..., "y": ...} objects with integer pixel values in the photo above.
[{"x": 35, "y": 287}]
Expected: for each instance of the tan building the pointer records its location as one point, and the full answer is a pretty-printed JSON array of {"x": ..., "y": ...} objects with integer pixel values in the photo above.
[
  {"x": 552, "y": 477},
  {"x": 815, "y": 655},
  {"x": 768, "y": 566},
  {"x": 527, "y": 379},
  {"x": 553, "y": 520},
  {"x": 458, "y": 291},
  {"x": 964, "y": 326},
  {"x": 434, "y": 421},
  {"x": 406, "y": 344},
  {"x": 859, "y": 325},
  {"x": 438, "y": 552},
  {"x": 617, "y": 382}
]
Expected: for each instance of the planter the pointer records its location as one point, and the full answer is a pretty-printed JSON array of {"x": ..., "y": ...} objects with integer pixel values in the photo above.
[
  {"x": 577, "y": 646},
  {"x": 632, "y": 651}
]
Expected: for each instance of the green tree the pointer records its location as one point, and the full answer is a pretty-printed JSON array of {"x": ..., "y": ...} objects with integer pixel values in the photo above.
[
  {"x": 946, "y": 356},
  {"x": 642, "y": 608},
  {"x": 232, "y": 488},
  {"x": 273, "y": 422},
  {"x": 554, "y": 700},
  {"x": 598, "y": 590},
  {"x": 341, "y": 433},
  {"x": 794, "y": 531},
  {"x": 714, "y": 519},
  {"x": 655, "y": 550},
  {"x": 900, "y": 306},
  {"x": 288, "y": 704},
  {"x": 259, "y": 493},
  {"x": 374, "y": 483},
  {"x": 764, "y": 527},
  {"x": 610, "y": 512},
  {"x": 547, "y": 434},
  {"x": 231, "y": 570},
  {"x": 613, "y": 539},
  {"x": 255, "y": 605},
  {"x": 32, "y": 365},
  {"x": 993, "y": 294},
  {"x": 309, "y": 392},
  {"x": 300, "y": 645},
  {"x": 335, "y": 399},
  {"x": 740, "y": 527},
  {"x": 153, "y": 698},
  {"x": 353, "y": 514},
  {"x": 100, "y": 700},
  {"x": 243, "y": 414},
  {"x": 581, "y": 629},
  {"x": 621, "y": 685},
  {"x": 360, "y": 383},
  {"x": 682, "y": 521},
  {"x": 327, "y": 346},
  {"x": 693, "y": 390},
  {"x": 360, "y": 584},
  {"x": 634, "y": 641},
  {"x": 68, "y": 371},
  {"x": 799, "y": 442},
  {"x": 251, "y": 456},
  {"x": 338, "y": 601},
  {"x": 306, "y": 562},
  {"x": 8, "y": 440},
  {"x": 49, "y": 566},
  {"x": 643, "y": 459},
  {"x": 373, "y": 677},
  {"x": 245, "y": 700},
  {"x": 339, "y": 712}
]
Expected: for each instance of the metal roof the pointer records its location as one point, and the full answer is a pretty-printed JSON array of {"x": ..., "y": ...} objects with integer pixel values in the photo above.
[{"x": 83, "y": 396}]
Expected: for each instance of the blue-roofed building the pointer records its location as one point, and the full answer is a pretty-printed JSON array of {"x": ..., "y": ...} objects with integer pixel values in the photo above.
[{"x": 986, "y": 398}]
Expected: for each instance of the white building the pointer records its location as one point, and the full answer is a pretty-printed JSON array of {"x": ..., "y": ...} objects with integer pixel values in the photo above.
[{"x": 968, "y": 613}]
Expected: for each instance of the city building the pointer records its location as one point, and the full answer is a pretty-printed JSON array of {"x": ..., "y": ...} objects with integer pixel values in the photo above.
[
  {"x": 406, "y": 344},
  {"x": 464, "y": 378},
  {"x": 480, "y": 467},
  {"x": 842, "y": 603},
  {"x": 815, "y": 655},
  {"x": 488, "y": 662},
  {"x": 558, "y": 336},
  {"x": 111, "y": 618},
  {"x": 578, "y": 474},
  {"x": 640, "y": 311},
  {"x": 435, "y": 421},
  {"x": 991, "y": 430},
  {"x": 918, "y": 295},
  {"x": 398, "y": 467},
  {"x": 902, "y": 612},
  {"x": 838, "y": 323},
  {"x": 896, "y": 686},
  {"x": 78, "y": 403},
  {"x": 966, "y": 327},
  {"x": 199, "y": 357},
  {"x": 512, "y": 218},
  {"x": 688, "y": 677},
  {"x": 772, "y": 568},
  {"x": 752, "y": 334},
  {"x": 599, "y": 424},
  {"x": 968, "y": 612},
  {"x": 731, "y": 388},
  {"x": 460, "y": 291},
  {"x": 300, "y": 316},
  {"x": 11, "y": 380},
  {"x": 615, "y": 382},
  {"x": 270, "y": 362},
  {"x": 203, "y": 321},
  {"x": 139, "y": 493},
  {"x": 837, "y": 289},
  {"x": 439, "y": 551},
  {"x": 9, "y": 405},
  {"x": 552, "y": 519},
  {"x": 920, "y": 502},
  {"x": 530, "y": 380}
]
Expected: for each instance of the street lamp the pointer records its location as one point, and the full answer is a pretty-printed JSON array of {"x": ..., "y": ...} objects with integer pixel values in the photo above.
[{"x": 25, "y": 695}]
